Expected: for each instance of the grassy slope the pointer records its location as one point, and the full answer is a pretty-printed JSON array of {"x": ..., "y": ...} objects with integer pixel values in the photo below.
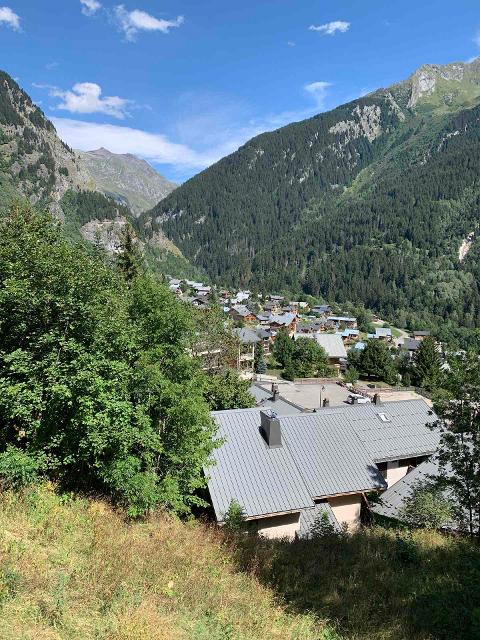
[{"x": 73, "y": 569}]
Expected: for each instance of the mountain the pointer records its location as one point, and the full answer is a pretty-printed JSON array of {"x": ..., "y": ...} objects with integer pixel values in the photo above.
[
  {"x": 368, "y": 203},
  {"x": 35, "y": 164},
  {"x": 125, "y": 178}
]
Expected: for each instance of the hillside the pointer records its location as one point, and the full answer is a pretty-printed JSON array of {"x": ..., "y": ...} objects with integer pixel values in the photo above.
[
  {"x": 36, "y": 165},
  {"x": 125, "y": 178},
  {"x": 74, "y": 569},
  {"x": 368, "y": 203}
]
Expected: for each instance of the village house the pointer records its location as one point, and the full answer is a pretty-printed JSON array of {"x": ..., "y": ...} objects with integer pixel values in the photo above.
[
  {"x": 272, "y": 307},
  {"x": 322, "y": 309},
  {"x": 343, "y": 321},
  {"x": 241, "y": 313},
  {"x": 420, "y": 335},
  {"x": 332, "y": 344},
  {"x": 382, "y": 333},
  {"x": 247, "y": 338},
  {"x": 284, "y": 470},
  {"x": 410, "y": 345},
  {"x": 286, "y": 321}
]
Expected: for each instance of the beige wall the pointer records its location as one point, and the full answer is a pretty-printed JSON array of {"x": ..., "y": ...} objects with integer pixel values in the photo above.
[
  {"x": 284, "y": 526},
  {"x": 396, "y": 470},
  {"x": 347, "y": 509}
]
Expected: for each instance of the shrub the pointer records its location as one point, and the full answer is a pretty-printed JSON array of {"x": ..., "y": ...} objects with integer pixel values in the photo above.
[{"x": 18, "y": 469}]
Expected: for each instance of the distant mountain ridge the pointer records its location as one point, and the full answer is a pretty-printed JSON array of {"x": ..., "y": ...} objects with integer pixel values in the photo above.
[
  {"x": 367, "y": 203},
  {"x": 36, "y": 165},
  {"x": 126, "y": 178}
]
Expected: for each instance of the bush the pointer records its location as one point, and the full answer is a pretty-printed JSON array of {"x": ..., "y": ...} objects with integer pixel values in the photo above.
[{"x": 18, "y": 469}]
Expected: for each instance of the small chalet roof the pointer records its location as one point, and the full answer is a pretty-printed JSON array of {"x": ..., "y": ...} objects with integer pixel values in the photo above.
[
  {"x": 359, "y": 346},
  {"x": 421, "y": 333},
  {"x": 383, "y": 332},
  {"x": 241, "y": 310},
  {"x": 308, "y": 517},
  {"x": 395, "y": 496},
  {"x": 332, "y": 344},
  {"x": 411, "y": 345},
  {"x": 284, "y": 319},
  {"x": 247, "y": 336},
  {"x": 341, "y": 319}
]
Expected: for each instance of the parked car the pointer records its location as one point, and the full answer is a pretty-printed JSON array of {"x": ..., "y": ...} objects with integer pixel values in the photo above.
[{"x": 356, "y": 398}]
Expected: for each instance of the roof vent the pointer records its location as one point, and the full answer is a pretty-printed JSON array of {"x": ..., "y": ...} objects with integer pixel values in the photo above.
[
  {"x": 270, "y": 428},
  {"x": 383, "y": 417}
]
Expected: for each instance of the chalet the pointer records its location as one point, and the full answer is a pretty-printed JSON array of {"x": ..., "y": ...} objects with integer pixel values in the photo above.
[
  {"x": 277, "y": 298},
  {"x": 322, "y": 309},
  {"x": 345, "y": 321},
  {"x": 349, "y": 335},
  {"x": 200, "y": 302},
  {"x": 271, "y": 307},
  {"x": 410, "y": 345},
  {"x": 420, "y": 335},
  {"x": 383, "y": 333},
  {"x": 286, "y": 320},
  {"x": 241, "y": 313},
  {"x": 284, "y": 469},
  {"x": 333, "y": 345},
  {"x": 247, "y": 338}
]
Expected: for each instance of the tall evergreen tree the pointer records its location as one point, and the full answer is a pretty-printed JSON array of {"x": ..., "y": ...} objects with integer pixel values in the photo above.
[
  {"x": 130, "y": 259},
  {"x": 459, "y": 451},
  {"x": 427, "y": 365},
  {"x": 283, "y": 347}
]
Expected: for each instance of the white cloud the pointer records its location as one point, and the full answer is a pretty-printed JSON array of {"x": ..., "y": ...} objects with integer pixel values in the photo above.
[
  {"x": 86, "y": 97},
  {"x": 9, "y": 18},
  {"x": 319, "y": 92},
  {"x": 290, "y": 43},
  {"x": 330, "y": 28},
  {"x": 118, "y": 139},
  {"x": 131, "y": 22},
  {"x": 90, "y": 7}
]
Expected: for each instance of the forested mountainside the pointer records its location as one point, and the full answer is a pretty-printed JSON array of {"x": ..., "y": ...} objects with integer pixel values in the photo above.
[
  {"x": 125, "y": 178},
  {"x": 368, "y": 203},
  {"x": 36, "y": 165}
]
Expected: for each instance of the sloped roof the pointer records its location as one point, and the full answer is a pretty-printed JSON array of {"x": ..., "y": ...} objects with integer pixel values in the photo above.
[
  {"x": 332, "y": 344},
  {"x": 281, "y": 406},
  {"x": 323, "y": 454},
  {"x": 401, "y": 434},
  {"x": 262, "y": 480},
  {"x": 246, "y": 336},
  {"x": 283, "y": 319},
  {"x": 309, "y": 516},
  {"x": 383, "y": 332}
]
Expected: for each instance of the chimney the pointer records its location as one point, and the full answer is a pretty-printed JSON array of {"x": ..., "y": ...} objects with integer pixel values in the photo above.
[
  {"x": 270, "y": 428},
  {"x": 376, "y": 399},
  {"x": 275, "y": 392}
]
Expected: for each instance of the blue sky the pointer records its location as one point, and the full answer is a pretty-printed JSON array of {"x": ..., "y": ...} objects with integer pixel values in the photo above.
[{"x": 184, "y": 82}]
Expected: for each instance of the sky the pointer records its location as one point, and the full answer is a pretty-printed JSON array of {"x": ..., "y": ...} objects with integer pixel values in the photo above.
[{"x": 182, "y": 83}]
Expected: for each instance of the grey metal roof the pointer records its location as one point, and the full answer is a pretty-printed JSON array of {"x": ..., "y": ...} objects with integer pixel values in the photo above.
[
  {"x": 332, "y": 344},
  {"x": 309, "y": 516},
  {"x": 246, "y": 336},
  {"x": 323, "y": 454},
  {"x": 393, "y": 498},
  {"x": 262, "y": 480},
  {"x": 330, "y": 457},
  {"x": 403, "y": 434},
  {"x": 281, "y": 406}
]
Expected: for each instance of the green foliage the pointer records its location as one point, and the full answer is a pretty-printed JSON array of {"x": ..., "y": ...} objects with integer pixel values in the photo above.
[
  {"x": 259, "y": 364},
  {"x": 322, "y": 526},
  {"x": 130, "y": 260},
  {"x": 227, "y": 390},
  {"x": 307, "y": 360},
  {"x": 427, "y": 506},
  {"x": 283, "y": 347},
  {"x": 351, "y": 375},
  {"x": 375, "y": 361},
  {"x": 95, "y": 375},
  {"x": 459, "y": 452},
  {"x": 382, "y": 231},
  {"x": 427, "y": 371},
  {"x": 18, "y": 469},
  {"x": 234, "y": 517}
]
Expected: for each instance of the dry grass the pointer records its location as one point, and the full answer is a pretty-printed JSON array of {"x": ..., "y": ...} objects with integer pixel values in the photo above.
[
  {"x": 378, "y": 584},
  {"x": 74, "y": 569}
]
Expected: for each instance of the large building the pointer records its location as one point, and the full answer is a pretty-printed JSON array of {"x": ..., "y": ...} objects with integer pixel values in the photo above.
[{"x": 285, "y": 469}]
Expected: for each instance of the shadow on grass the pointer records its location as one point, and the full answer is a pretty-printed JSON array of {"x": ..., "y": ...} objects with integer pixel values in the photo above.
[{"x": 377, "y": 584}]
